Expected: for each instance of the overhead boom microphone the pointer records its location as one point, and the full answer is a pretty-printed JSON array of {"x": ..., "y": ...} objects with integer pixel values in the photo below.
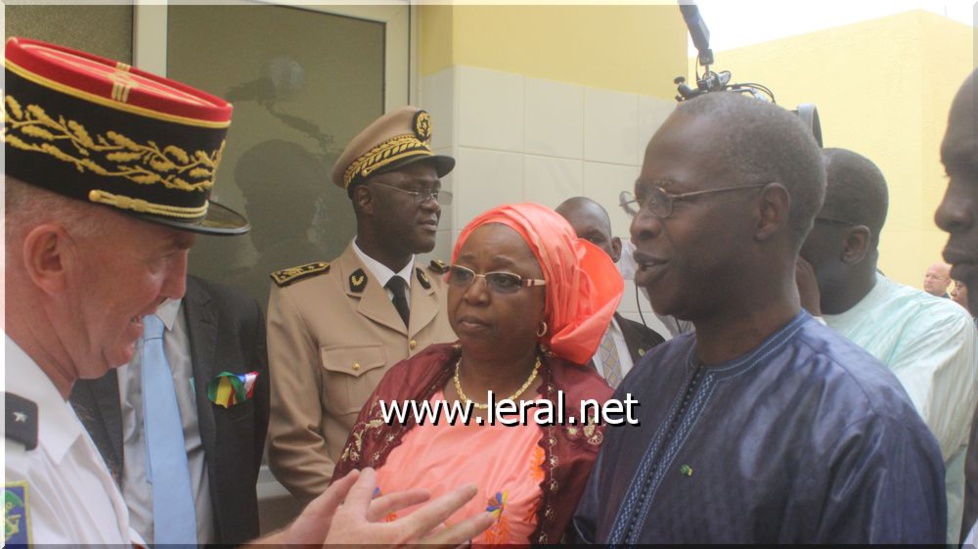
[
  {"x": 698, "y": 31},
  {"x": 711, "y": 81}
]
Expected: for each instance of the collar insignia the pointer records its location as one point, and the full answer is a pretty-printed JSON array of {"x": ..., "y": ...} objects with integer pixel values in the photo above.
[
  {"x": 358, "y": 281},
  {"x": 423, "y": 279},
  {"x": 21, "y": 420}
]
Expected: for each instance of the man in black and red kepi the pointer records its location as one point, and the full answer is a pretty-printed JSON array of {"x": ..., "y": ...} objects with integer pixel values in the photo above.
[{"x": 108, "y": 176}]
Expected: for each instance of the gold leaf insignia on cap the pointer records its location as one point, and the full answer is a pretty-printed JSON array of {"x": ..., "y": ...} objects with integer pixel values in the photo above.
[
  {"x": 422, "y": 126},
  {"x": 285, "y": 277},
  {"x": 394, "y": 149}
]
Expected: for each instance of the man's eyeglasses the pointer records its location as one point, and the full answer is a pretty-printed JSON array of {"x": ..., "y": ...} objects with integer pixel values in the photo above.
[
  {"x": 660, "y": 203},
  {"x": 834, "y": 221},
  {"x": 499, "y": 282},
  {"x": 420, "y": 197}
]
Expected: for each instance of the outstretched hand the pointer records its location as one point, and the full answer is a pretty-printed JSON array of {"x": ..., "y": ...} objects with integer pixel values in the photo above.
[{"x": 348, "y": 513}]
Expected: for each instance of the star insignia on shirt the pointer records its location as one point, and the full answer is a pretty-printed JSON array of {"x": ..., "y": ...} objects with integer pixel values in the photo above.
[{"x": 21, "y": 415}]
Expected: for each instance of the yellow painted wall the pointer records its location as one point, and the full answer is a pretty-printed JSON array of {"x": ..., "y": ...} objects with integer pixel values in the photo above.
[
  {"x": 883, "y": 89},
  {"x": 634, "y": 49}
]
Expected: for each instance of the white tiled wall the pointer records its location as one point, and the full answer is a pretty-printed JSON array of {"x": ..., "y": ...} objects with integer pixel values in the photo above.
[
  {"x": 518, "y": 138},
  {"x": 553, "y": 119},
  {"x": 611, "y": 127},
  {"x": 490, "y": 109},
  {"x": 550, "y": 181}
]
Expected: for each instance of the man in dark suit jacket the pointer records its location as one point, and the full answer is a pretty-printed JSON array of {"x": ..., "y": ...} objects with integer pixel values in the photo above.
[
  {"x": 638, "y": 337},
  {"x": 225, "y": 332},
  {"x": 591, "y": 222}
]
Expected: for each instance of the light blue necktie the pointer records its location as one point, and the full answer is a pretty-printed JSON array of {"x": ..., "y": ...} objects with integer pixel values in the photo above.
[{"x": 174, "y": 519}]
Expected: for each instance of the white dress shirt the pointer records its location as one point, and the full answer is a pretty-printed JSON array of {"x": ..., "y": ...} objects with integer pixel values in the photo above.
[
  {"x": 624, "y": 357},
  {"x": 383, "y": 274}
]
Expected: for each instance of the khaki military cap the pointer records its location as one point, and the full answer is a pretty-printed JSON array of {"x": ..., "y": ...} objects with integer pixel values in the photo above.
[{"x": 398, "y": 138}]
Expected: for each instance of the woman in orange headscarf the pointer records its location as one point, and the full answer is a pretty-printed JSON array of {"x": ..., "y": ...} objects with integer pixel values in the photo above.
[{"x": 529, "y": 302}]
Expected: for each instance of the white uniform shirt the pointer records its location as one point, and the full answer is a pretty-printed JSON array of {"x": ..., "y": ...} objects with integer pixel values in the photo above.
[
  {"x": 385, "y": 274},
  {"x": 71, "y": 497}
]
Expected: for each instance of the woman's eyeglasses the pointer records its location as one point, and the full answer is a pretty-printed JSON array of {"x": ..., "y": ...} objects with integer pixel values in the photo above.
[
  {"x": 660, "y": 203},
  {"x": 499, "y": 282}
]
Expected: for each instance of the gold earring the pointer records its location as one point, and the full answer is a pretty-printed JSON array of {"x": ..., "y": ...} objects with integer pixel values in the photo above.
[{"x": 542, "y": 331}]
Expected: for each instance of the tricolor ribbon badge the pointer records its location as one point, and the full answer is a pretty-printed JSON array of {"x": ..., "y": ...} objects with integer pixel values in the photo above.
[{"x": 228, "y": 389}]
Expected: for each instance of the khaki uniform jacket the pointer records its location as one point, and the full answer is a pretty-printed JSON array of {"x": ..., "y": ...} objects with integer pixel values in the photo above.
[{"x": 331, "y": 338}]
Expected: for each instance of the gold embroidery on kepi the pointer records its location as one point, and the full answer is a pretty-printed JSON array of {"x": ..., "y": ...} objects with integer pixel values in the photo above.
[
  {"x": 141, "y": 206},
  {"x": 284, "y": 277},
  {"x": 110, "y": 155},
  {"x": 390, "y": 151},
  {"x": 103, "y": 132},
  {"x": 358, "y": 281},
  {"x": 396, "y": 139}
]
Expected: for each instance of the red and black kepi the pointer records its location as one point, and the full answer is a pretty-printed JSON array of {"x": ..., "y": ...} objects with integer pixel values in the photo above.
[{"x": 101, "y": 131}]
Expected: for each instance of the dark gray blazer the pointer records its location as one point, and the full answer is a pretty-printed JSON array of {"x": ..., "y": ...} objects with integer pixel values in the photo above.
[
  {"x": 227, "y": 333},
  {"x": 638, "y": 337}
]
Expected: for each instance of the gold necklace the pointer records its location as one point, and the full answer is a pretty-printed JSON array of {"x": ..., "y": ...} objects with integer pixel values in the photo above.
[{"x": 514, "y": 396}]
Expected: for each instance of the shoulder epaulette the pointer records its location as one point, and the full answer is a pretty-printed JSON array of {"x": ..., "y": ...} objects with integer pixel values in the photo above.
[
  {"x": 21, "y": 420},
  {"x": 284, "y": 277},
  {"x": 438, "y": 266}
]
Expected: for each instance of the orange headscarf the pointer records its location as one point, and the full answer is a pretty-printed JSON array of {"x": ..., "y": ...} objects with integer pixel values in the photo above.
[{"x": 583, "y": 285}]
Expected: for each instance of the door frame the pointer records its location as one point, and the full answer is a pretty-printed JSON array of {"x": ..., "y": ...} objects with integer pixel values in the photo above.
[{"x": 401, "y": 85}]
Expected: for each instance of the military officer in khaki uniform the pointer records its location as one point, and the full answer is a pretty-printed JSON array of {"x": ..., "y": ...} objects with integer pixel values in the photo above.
[{"x": 335, "y": 328}]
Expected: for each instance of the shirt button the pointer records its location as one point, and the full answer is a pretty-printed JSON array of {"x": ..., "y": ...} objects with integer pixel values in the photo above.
[
  {"x": 356, "y": 365},
  {"x": 413, "y": 343}
]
